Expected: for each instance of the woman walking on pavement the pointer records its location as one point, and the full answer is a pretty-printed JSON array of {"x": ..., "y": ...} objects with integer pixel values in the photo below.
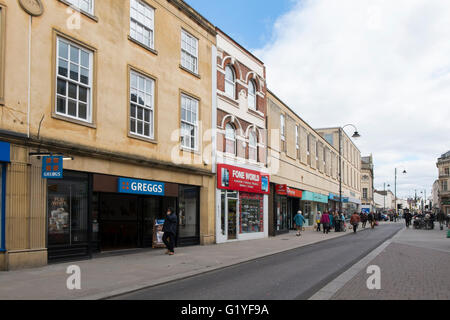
[
  {"x": 354, "y": 221},
  {"x": 299, "y": 220},
  {"x": 325, "y": 221},
  {"x": 170, "y": 231},
  {"x": 319, "y": 215}
]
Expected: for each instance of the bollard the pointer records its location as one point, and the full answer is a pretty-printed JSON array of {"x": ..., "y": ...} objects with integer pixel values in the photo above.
[{"x": 448, "y": 233}]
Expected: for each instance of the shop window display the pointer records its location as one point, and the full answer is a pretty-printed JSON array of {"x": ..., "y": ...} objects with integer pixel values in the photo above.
[
  {"x": 251, "y": 213},
  {"x": 282, "y": 212},
  {"x": 188, "y": 212},
  {"x": 68, "y": 210}
]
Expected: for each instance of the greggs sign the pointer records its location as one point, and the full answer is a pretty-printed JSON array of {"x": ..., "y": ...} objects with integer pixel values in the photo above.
[{"x": 240, "y": 179}]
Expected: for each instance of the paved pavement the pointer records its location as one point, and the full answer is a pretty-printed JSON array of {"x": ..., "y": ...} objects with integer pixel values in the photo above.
[
  {"x": 113, "y": 275},
  {"x": 414, "y": 266},
  {"x": 295, "y": 274}
]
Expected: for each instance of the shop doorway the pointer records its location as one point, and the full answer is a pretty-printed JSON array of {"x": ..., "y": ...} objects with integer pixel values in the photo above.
[
  {"x": 232, "y": 226},
  {"x": 126, "y": 221}
]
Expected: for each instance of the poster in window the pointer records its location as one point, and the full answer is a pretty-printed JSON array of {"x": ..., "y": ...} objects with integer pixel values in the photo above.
[{"x": 158, "y": 234}]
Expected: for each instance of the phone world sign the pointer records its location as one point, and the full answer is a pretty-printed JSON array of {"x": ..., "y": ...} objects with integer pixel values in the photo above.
[
  {"x": 134, "y": 186},
  {"x": 241, "y": 179}
]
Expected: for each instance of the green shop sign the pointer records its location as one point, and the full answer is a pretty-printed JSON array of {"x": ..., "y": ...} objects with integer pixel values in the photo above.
[{"x": 315, "y": 197}]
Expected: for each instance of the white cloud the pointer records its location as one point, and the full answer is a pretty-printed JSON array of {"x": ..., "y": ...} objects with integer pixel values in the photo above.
[{"x": 379, "y": 64}]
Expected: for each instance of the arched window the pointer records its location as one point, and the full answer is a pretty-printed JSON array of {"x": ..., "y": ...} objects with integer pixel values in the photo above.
[
  {"x": 252, "y": 146},
  {"x": 230, "y": 82},
  {"x": 252, "y": 95},
  {"x": 230, "y": 139}
]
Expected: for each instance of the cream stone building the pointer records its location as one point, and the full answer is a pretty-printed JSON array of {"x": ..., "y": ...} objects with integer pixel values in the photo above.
[
  {"x": 443, "y": 165},
  {"x": 304, "y": 169},
  {"x": 367, "y": 190},
  {"x": 351, "y": 166},
  {"x": 123, "y": 92}
]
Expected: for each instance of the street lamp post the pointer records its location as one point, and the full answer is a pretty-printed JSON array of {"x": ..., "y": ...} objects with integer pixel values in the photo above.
[
  {"x": 384, "y": 196},
  {"x": 356, "y": 135},
  {"x": 395, "y": 188}
]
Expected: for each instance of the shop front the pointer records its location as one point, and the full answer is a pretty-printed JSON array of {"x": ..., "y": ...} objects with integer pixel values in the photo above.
[
  {"x": 310, "y": 204},
  {"x": 91, "y": 213},
  {"x": 353, "y": 205},
  {"x": 242, "y": 204},
  {"x": 333, "y": 201},
  {"x": 286, "y": 205}
]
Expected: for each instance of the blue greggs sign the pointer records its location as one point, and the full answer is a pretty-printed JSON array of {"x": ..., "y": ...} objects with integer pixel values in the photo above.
[
  {"x": 134, "y": 186},
  {"x": 52, "y": 167}
]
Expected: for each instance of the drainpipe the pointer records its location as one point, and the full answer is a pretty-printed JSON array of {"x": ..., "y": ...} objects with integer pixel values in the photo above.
[{"x": 29, "y": 77}]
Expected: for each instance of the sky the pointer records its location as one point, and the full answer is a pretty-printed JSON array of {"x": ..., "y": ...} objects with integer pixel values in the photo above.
[{"x": 381, "y": 65}]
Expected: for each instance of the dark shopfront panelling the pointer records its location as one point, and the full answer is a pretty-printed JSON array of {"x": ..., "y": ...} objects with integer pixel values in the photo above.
[{"x": 91, "y": 204}]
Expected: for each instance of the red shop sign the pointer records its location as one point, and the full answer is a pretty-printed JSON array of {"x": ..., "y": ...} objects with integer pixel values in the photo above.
[
  {"x": 281, "y": 189},
  {"x": 240, "y": 179},
  {"x": 284, "y": 190}
]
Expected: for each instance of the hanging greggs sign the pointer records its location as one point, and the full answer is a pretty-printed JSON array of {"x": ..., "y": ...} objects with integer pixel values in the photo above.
[
  {"x": 240, "y": 179},
  {"x": 284, "y": 190}
]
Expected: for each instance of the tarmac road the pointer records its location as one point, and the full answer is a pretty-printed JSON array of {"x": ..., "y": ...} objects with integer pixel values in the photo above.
[{"x": 295, "y": 274}]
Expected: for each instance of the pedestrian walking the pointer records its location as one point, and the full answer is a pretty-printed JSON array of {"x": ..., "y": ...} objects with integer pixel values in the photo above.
[
  {"x": 337, "y": 222},
  {"x": 408, "y": 216},
  {"x": 325, "y": 221},
  {"x": 371, "y": 219},
  {"x": 170, "y": 231},
  {"x": 299, "y": 220},
  {"x": 354, "y": 221},
  {"x": 319, "y": 215},
  {"x": 363, "y": 219},
  {"x": 330, "y": 216}
]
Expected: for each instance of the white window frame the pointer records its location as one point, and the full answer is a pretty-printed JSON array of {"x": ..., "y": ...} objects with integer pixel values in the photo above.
[
  {"x": 230, "y": 86},
  {"x": 254, "y": 147},
  {"x": 76, "y": 4},
  {"x": 68, "y": 80},
  {"x": 185, "y": 53},
  {"x": 283, "y": 127},
  {"x": 193, "y": 123},
  {"x": 252, "y": 95},
  {"x": 137, "y": 25},
  {"x": 230, "y": 139},
  {"x": 148, "y": 105}
]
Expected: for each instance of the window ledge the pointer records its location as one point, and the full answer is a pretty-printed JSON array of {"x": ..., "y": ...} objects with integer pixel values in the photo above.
[
  {"x": 135, "y": 136},
  {"x": 142, "y": 45},
  {"x": 228, "y": 99},
  {"x": 75, "y": 121},
  {"x": 87, "y": 14},
  {"x": 185, "y": 149},
  {"x": 190, "y": 72},
  {"x": 256, "y": 113}
]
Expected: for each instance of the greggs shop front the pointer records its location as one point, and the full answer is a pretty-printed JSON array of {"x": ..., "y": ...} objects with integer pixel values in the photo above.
[
  {"x": 242, "y": 204},
  {"x": 89, "y": 213}
]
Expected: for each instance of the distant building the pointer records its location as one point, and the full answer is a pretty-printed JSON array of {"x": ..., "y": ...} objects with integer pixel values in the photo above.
[
  {"x": 385, "y": 199},
  {"x": 367, "y": 197},
  {"x": 435, "y": 196},
  {"x": 443, "y": 166}
]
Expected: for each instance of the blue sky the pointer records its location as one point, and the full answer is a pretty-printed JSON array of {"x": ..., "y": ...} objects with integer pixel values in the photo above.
[{"x": 249, "y": 22}]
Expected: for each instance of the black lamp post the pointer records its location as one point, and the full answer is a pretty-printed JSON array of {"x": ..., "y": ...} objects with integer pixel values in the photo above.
[
  {"x": 356, "y": 135},
  {"x": 395, "y": 196}
]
